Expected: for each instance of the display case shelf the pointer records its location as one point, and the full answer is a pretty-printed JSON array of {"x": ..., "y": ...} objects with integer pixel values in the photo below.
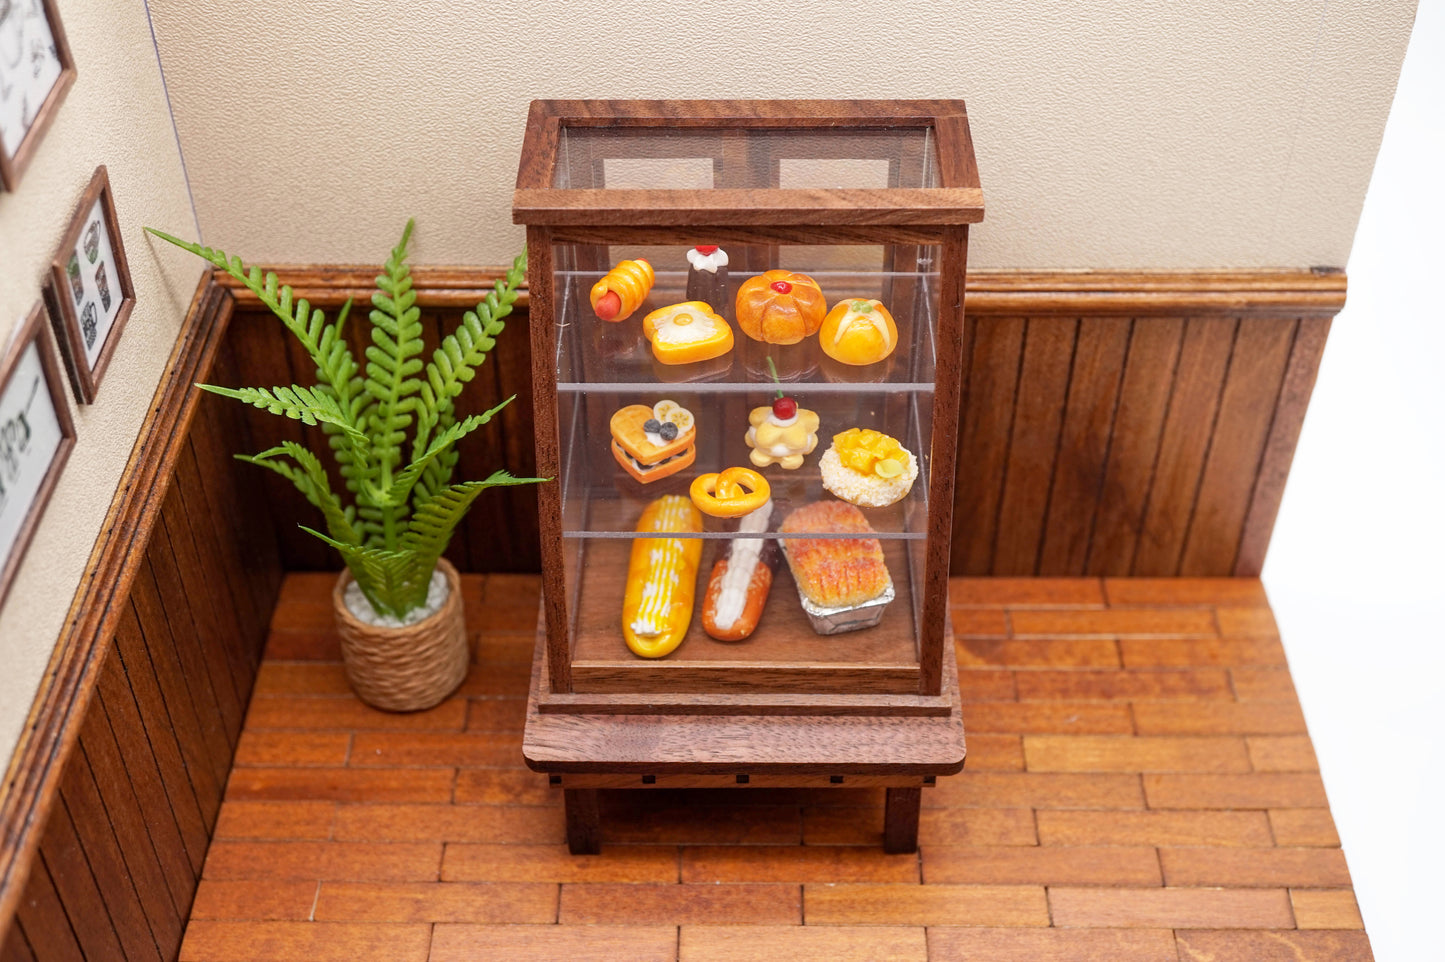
[
  {"x": 616, "y": 356},
  {"x": 599, "y": 499},
  {"x": 784, "y": 655}
]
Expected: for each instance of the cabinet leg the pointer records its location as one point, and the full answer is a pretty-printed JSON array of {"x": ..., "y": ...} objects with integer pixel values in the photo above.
[
  {"x": 900, "y": 820},
  {"x": 584, "y": 820}
]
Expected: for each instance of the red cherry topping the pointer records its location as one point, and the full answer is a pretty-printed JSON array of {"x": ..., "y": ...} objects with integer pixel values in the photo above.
[
  {"x": 706, "y": 248},
  {"x": 784, "y": 407},
  {"x": 782, "y": 287}
]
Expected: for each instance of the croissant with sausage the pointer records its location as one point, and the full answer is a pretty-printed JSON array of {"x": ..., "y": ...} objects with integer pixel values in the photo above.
[{"x": 622, "y": 290}]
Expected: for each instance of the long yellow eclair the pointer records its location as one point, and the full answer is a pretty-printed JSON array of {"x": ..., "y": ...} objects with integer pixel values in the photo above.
[
  {"x": 662, "y": 578},
  {"x": 622, "y": 290}
]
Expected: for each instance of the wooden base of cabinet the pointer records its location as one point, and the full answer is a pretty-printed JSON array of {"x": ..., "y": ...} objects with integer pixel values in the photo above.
[{"x": 583, "y": 753}]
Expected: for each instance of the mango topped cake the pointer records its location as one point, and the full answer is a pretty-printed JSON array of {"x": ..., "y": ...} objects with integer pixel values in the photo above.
[{"x": 868, "y": 468}]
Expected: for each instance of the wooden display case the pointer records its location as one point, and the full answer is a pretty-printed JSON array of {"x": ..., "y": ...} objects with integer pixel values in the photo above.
[{"x": 873, "y": 200}]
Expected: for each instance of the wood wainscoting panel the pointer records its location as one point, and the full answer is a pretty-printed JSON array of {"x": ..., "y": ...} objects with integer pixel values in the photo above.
[
  {"x": 112, "y": 798},
  {"x": 1133, "y": 424}
]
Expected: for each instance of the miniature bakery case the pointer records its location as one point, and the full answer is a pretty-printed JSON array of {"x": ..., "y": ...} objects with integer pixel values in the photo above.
[{"x": 746, "y": 322}]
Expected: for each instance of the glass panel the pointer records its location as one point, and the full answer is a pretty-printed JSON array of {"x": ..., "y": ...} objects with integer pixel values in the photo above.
[{"x": 705, "y": 158}]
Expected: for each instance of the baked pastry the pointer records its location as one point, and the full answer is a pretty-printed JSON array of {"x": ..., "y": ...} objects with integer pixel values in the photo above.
[
  {"x": 868, "y": 467},
  {"x": 661, "y": 578},
  {"x": 835, "y": 572},
  {"x": 737, "y": 589},
  {"x": 731, "y": 493},
  {"x": 653, "y": 442},
  {"x": 707, "y": 275},
  {"x": 781, "y": 434},
  {"x": 858, "y": 332},
  {"x": 780, "y": 307},
  {"x": 687, "y": 332},
  {"x": 622, "y": 290}
]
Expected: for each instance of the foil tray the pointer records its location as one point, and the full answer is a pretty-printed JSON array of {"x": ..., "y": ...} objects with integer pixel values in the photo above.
[{"x": 835, "y": 621}]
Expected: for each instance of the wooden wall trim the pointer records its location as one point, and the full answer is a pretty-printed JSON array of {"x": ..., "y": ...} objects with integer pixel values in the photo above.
[
  {"x": 1115, "y": 293},
  {"x": 1155, "y": 293},
  {"x": 53, "y": 726},
  {"x": 330, "y": 286}
]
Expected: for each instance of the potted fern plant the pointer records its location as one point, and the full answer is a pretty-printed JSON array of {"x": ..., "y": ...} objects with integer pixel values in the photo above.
[{"x": 393, "y": 429}]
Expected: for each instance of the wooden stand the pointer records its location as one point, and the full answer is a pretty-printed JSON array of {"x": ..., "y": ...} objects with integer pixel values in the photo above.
[{"x": 583, "y": 753}]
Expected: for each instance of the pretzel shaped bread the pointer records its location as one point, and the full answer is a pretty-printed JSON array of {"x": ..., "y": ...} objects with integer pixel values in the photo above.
[{"x": 731, "y": 493}]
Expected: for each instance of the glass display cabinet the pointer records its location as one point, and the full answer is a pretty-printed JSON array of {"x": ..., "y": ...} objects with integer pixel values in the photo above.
[{"x": 747, "y": 332}]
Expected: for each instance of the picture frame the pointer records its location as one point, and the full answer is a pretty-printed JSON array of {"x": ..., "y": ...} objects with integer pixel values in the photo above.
[
  {"x": 36, "y": 437},
  {"x": 89, "y": 289},
  {"x": 36, "y": 72}
]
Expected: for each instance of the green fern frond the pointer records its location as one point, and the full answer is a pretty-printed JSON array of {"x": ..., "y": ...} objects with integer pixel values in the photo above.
[
  {"x": 392, "y": 365},
  {"x": 312, "y": 482},
  {"x": 335, "y": 366},
  {"x": 401, "y": 488},
  {"x": 455, "y": 362},
  {"x": 296, "y": 402},
  {"x": 434, "y": 520},
  {"x": 391, "y": 580}
]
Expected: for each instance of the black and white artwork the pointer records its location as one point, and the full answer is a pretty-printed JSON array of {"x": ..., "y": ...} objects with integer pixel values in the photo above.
[
  {"x": 89, "y": 290},
  {"x": 36, "y": 435},
  {"x": 97, "y": 306},
  {"x": 30, "y": 67}
]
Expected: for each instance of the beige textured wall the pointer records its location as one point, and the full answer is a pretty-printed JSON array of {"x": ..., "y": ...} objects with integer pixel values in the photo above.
[
  {"x": 115, "y": 114},
  {"x": 1220, "y": 133}
]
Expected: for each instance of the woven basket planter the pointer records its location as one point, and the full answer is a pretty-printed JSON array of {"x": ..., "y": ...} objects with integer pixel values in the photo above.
[{"x": 409, "y": 668}]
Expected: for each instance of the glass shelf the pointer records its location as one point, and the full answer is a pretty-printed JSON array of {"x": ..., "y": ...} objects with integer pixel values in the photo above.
[
  {"x": 601, "y": 500},
  {"x": 592, "y": 352}
]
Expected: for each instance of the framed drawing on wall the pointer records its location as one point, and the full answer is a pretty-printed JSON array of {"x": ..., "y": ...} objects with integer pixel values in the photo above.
[
  {"x": 35, "y": 72},
  {"x": 89, "y": 288},
  {"x": 36, "y": 435}
]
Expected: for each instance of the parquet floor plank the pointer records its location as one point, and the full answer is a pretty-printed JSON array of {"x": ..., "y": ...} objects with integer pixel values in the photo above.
[
  {"x": 1051, "y": 945},
  {"x": 715, "y": 903},
  {"x": 1140, "y": 787},
  {"x": 801, "y": 943},
  {"x": 548, "y": 943}
]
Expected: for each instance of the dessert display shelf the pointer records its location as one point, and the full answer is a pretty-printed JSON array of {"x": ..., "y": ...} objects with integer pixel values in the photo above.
[{"x": 747, "y": 332}]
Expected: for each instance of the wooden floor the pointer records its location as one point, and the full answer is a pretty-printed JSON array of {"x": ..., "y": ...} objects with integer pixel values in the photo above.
[{"x": 1139, "y": 788}]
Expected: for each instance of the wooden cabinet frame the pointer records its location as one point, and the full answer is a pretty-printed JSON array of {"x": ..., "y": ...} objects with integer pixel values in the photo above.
[{"x": 753, "y": 210}]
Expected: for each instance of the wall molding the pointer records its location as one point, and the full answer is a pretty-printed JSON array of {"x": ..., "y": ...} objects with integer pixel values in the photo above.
[
  {"x": 1124, "y": 293},
  {"x": 1155, "y": 293}
]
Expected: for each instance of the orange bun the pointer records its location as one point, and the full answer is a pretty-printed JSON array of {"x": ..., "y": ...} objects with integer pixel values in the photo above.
[
  {"x": 780, "y": 307},
  {"x": 858, "y": 331}
]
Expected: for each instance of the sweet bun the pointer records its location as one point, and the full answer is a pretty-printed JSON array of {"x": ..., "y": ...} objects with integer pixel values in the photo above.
[
  {"x": 858, "y": 332},
  {"x": 779, "y": 307}
]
